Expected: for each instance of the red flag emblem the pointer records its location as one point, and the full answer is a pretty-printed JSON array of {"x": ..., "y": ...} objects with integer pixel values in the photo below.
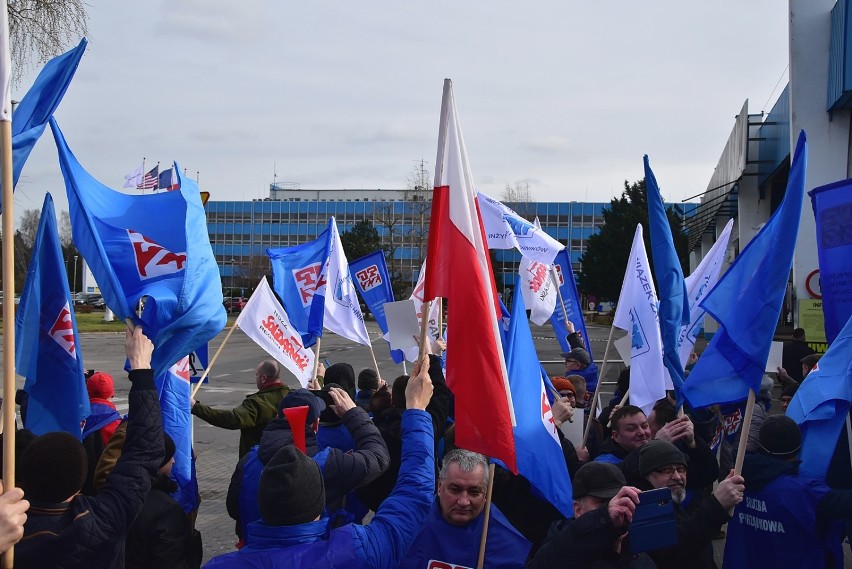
[
  {"x": 181, "y": 369},
  {"x": 369, "y": 277},
  {"x": 152, "y": 259},
  {"x": 62, "y": 331},
  {"x": 308, "y": 280}
]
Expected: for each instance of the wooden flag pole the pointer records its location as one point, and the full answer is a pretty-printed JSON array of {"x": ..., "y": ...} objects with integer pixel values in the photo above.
[
  {"x": 375, "y": 364},
  {"x": 8, "y": 225},
  {"x": 741, "y": 449},
  {"x": 559, "y": 293},
  {"x": 316, "y": 364},
  {"x": 440, "y": 302},
  {"x": 597, "y": 394},
  {"x": 424, "y": 328},
  {"x": 487, "y": 513},
  {"x": 213, "y": 361}
]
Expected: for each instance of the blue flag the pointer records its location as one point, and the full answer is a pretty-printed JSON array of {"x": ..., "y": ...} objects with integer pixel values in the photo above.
[
  {"x": 537, "y": 448},
  {"x": 153, "y": 246},
  {"x": 821, "y": 405},
  {"x": 370, "y": 275},
  {"x": 174, "y": 389},
  {"x": 39, "y": 104},
  {"x": 568, "y": 290},
  {"x": 747, "y": 302},
  {"x": 833, "y": 212},
  {"x": 299, "y": 280},
  {"x": 47, "y": 347},
  {"x": 671, "y": 287}
]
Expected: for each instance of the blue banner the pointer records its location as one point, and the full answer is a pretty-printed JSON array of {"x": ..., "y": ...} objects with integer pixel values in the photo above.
[
  {"x": 833, "y": 211},
  {"x": 568, "y": 290},
  {"x": 370, "y": 275}
]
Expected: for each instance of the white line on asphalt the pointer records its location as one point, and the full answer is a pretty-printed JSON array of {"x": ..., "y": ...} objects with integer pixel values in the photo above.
[
  {"x": 246, "y": 370},
  {"x": 222, "y": 375}
]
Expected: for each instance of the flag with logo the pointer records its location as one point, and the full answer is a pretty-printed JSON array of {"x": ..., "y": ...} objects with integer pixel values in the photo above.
[
  {"x": 636, "y": 313},
  {"x": 747, "y": 302},
  {"x": 298, "y": 278},
  {"x": 821, "y": 405},
  {"x": 151, "y": 246},
  {"x": 168, "y": 180},
  {"x": 505, "y": 229},
  {"x": 458, "y": 269},
  {"x": 39, "y": 104},
  {"x": 342, "y": 310},
  {"x": 538, "y": 290},
  {"x": 571, "y": 301},
  {"x": 698, "y": 285},
  {"x": 673, "y": 311},
  {"x": 47, "y": 346},
  {"x": 265, "y": 321},
  {"x": 174, "y": 389},
  {"x": 832, "y": 205},
  {"x": 150, "y": 179},
  {"x": 370, "y": 275},
  {"x": 537, "y": 447}
]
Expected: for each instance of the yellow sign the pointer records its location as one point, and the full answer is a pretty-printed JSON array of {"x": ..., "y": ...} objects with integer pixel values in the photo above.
[
  {"x": 204, "y": 197},
  {"x": 812, "y": 320}
]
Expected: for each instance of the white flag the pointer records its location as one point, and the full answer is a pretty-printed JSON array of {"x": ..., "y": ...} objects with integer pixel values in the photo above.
[
  {"x": 538, "y": 288},
  {"x": 698, "y": 284},
  {"x": 264, "y": 320},
  {"x": 432, "y": 330},
  {"x": 637, "y": 314},
  {"x": 342, "y": 311},
  {"x": 133, "y": 179},
  {"x": 505, "y": 229}
]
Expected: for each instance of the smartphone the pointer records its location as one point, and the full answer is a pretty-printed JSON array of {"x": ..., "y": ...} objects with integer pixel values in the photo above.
[
  {"x": 653, "y": 526},
  {"x": 326, "y": 363},
  {"x": 324, "y": 395}
]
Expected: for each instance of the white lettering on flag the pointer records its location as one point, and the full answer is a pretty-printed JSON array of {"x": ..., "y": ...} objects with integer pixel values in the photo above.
[
  {"x": 152, "y": 259},
  {"x": 62, "y": 331}
]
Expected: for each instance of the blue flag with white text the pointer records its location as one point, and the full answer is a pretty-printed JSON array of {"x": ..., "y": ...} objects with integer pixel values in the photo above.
[
  {"x": 537, "y": 447},
  {"x": 37, "y": 107},
  {"x": 151, "y": 246},
  {"x": 821, "y": 405},
  {"x": 568, "y": 290},
  {"x": 370, "y": 275},
  {"x": 747, "y": 302},
  {"x": 832, "y": 206},
  {"x": 671, "y": 287},
  {"x": 47, "y": 347},
  {"x": 299, "y": 280}
]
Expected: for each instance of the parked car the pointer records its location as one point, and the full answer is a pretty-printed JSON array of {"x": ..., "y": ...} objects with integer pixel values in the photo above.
[{"x": 235, "y": 303}]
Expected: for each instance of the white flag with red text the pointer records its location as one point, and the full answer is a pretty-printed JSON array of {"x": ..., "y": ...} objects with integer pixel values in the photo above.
[
  {"x": 537, "y": 287},
  {"x": 264, "y": 320}
]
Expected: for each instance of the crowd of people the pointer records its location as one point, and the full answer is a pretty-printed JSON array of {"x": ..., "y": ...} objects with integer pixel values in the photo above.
[{"x": 357, "y": 472}]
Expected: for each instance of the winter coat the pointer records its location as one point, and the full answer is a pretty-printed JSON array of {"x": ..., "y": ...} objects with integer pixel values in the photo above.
[
  {"x": 89, "y": 532},
  {"x": 251, "y": 416},
  {"x": 379, "y": 545}
]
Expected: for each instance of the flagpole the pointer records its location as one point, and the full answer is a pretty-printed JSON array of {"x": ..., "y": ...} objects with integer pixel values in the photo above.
[
  {"x": 424, "y": 326},
  {"x": 316, "y": 361},
  {"x": 143, "y": 177},
  {"x": 212, "y": 361},
  {"x": 598, "y": 387},
  {"x": 375, "y": 364},
  {"x": 559, "y": 292},
  {"x": 440, "y": 302},
  {"x": 480, "y": 562},
  {"x": 741, "y": 449}
]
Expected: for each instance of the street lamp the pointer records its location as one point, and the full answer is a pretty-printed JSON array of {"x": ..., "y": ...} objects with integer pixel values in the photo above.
[
  {"x": 232, "y": 261},
  {"x": 74, "y": 286}
]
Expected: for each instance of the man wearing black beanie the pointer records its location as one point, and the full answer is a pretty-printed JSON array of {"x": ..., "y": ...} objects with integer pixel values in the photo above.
[
  {"x": 67, "y": 529},
  {"x": 785, "y": 520},
  {"x": 293, "y": 531}
]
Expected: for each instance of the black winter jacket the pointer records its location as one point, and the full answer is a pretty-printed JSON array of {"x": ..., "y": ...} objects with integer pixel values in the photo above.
[{"x": 89, "y": 532}]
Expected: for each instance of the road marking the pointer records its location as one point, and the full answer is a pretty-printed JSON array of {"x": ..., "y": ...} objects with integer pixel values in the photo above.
[
  {"x": 222, "y": 375},
  {"x": 247, "y": 370},
  {"x": 121, "y": 408},
  {"x": 219, "y": 390}
]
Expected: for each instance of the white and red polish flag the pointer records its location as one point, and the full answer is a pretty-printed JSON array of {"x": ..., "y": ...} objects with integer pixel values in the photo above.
[{"x": 459, "y": 270}]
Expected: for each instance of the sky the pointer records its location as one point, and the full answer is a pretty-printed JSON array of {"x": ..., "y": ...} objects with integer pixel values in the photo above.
[{"x": 564, "y": 95}]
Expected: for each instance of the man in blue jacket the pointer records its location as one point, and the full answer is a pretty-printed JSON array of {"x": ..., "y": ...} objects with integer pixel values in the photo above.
[{"x": 292, "y": 531}]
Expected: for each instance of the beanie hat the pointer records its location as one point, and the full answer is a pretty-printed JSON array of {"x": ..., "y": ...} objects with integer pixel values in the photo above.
[
  {"x": 100, "y": 386},
  {"x": 780, "y": 436},
  {"x": 368, "y": 379},
  {"x": 657, "y": 454},
  {"x": 303, "y": 398},
  {"x": 53, "y": 468},
  {"x": 291, "y": 490},
  {"x": 343, "y": 375},
  {"x": 170, "y": 449},
  {"x": 580, "y": 355},
  {"x": 563, "y": 384}
]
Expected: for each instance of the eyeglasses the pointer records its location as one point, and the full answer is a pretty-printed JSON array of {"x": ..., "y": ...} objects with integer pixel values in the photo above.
[{"x": 669, "y": 470}]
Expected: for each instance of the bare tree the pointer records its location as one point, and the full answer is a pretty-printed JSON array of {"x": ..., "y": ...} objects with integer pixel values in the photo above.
[
  {"x": 248, "y": 274},
  {"x": 519, "y": 193},
  {"x": 65, "y": 237},
  {"x": 42, "y": 29},
  {"x": 29, "y": 227}
]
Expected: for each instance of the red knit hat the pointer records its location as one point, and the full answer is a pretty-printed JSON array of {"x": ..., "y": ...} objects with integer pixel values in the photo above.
[
  {"x": 100, "y": 386},
  {"x": 563, "y": 384}
]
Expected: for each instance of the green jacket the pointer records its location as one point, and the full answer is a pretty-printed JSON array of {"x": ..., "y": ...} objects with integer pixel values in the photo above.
[{"x": 250, "y": 417}]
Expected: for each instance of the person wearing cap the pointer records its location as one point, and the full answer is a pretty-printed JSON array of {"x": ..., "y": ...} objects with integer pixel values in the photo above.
[
  {"x": 162, "y": 536},
  {"x": 257, "y": 409},
  {"x": 603, "y": 509},
  {"x": 293, "y": 530},
  {"x": 663, "y": 465},
  {"x": 67, "y": 529},
  {"x": 342, "y": 471},
  {"x": 785, "y": 520}
]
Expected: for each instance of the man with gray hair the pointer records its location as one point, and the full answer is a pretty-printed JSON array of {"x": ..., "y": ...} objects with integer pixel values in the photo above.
[
  {"x": 256, "y": 410},
  {"x": 452, "y": 530}
]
